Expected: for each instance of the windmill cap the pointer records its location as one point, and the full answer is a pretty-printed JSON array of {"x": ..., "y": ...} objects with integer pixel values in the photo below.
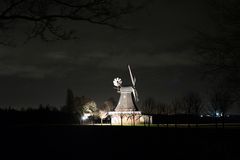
[{"x": 126, "y": 89}]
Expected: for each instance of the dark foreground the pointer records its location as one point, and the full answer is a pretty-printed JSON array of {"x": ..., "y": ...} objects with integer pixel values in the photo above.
[{"x": 108, "y": 142}]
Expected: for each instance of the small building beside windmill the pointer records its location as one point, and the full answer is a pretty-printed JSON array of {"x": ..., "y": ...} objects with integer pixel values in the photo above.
[{"x": 126, "y": 111}]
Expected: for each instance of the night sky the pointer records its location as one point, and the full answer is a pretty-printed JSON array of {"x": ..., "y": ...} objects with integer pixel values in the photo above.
[{"x": 158, "y": 48}]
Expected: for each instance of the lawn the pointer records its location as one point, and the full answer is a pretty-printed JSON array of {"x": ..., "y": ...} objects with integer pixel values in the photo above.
[{"x": 111, "y": 142}]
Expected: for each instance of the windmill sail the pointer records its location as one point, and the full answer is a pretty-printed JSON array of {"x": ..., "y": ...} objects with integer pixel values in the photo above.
[
  {"x": 135, "y": 95},
  {"x": 133, "y": 79}
]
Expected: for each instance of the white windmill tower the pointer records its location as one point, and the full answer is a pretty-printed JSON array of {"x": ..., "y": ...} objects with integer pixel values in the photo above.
[{"x": 127, "y": 101}]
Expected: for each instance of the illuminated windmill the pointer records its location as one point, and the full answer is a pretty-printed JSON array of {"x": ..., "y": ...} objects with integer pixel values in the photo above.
[
  {"x": 126, "y": 111},
  {"x": 128, "y": 94}
]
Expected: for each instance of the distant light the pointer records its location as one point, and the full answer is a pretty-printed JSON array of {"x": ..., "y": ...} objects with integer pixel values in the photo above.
[
  {"x": 217, "y": 114},
  {"x": 201, "y": 115},
  {"x": 84, "y": 117}
]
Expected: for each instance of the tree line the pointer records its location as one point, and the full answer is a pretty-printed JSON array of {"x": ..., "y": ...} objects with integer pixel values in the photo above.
[
  {"x": 73, "y": 112},
  {"x": 192, "y": 108},
  {"x": 188, "y": 109}
]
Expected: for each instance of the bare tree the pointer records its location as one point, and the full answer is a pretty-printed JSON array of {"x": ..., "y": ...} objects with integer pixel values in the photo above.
[
  {"x": 90, "y": 108},
  {"x": 193, "y": 104},
  {"x": 161, "y": 109},
  {"x": 197, "y": 106},
  {"x": 219, "y": 53},
  {"x": 103, "y": 109},
  {"x": 69, "y": 106},
  {"x": 214, "y": 107},
  {"x": 219, "y": 50},
  {"x": 221, "y": 101},
  {"x": 109, "y": 104},
  {"x": 102, "y": 115},
  {"x": 122, "y": 115},
  {"x": 148, "y": 107},
  {"x": 45, "y": 19},
  {"x": 79, "y": 103},
  {"x": 176, "y": 107}
]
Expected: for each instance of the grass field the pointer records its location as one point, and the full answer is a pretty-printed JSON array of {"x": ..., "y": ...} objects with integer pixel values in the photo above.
[
  {"x": 116, "y": 142},
  {"x": 206, "y": 125}
]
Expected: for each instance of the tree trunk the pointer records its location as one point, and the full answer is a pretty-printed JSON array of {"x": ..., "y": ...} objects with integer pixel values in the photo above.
[
  {"x": 144, "y": 121},
  {"x": 188, "y": 120},
  {"x": 216, "y": 122},
  {"x": 175, "y": 120},
  {"x": 133, "y": 120},
  {"x": 215, "y": 119},
  {"x": 223, "y": 120},
  {"x": 149, "y": 117},
  {"x": 167, "y": 121},
  {"x": 93, "y": 120},
  {"x": 121, "y": 120},
  {"x": 101, "y": 121}
]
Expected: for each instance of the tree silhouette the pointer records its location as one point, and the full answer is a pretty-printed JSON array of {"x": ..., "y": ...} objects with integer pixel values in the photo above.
[
  {"x": 84, "y": 106},
  {"x": 214, "y": 107},
  {"x": 148, "y": 107},
  {"x": 221, "y": 101},
  {"x": 176, "y": 107},
  {"x": 69, "y": 107},
  {"x": 193, "y": 104},
  {"x": 90, "y": 108},
  {"x": 219, "y": 50},
  {"x": 45, "y": 19},
  {"x": 197, "y": 106},
  {"x": 102, "y": 115},
  {"x": 106, "y": 107},
  {"x": 162, "y": 109}
]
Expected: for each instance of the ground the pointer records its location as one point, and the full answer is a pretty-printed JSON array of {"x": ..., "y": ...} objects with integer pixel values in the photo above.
[{"x": 109, "y": 142}]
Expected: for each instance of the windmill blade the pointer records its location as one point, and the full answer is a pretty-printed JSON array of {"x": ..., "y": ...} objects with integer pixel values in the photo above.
[
  {"x": 137, "y": 99},
  {"x": 135, "y": 94},
  {"x": 133, "y": 79}
]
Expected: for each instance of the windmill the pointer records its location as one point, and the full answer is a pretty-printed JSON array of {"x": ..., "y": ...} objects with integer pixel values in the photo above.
[
  {"x": 128, "y": 94},
  {"x": 126, "y": 111}
]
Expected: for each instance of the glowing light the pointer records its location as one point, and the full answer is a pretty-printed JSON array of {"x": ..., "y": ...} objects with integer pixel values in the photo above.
[
  {"x": 84, "y": 117},
  {"x": 201, "y": 115}
]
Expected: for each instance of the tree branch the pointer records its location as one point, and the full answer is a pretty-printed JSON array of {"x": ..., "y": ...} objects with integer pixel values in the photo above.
[
  {"x": 43, "y": 14},
  {"x": 11, "y": 7}
]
